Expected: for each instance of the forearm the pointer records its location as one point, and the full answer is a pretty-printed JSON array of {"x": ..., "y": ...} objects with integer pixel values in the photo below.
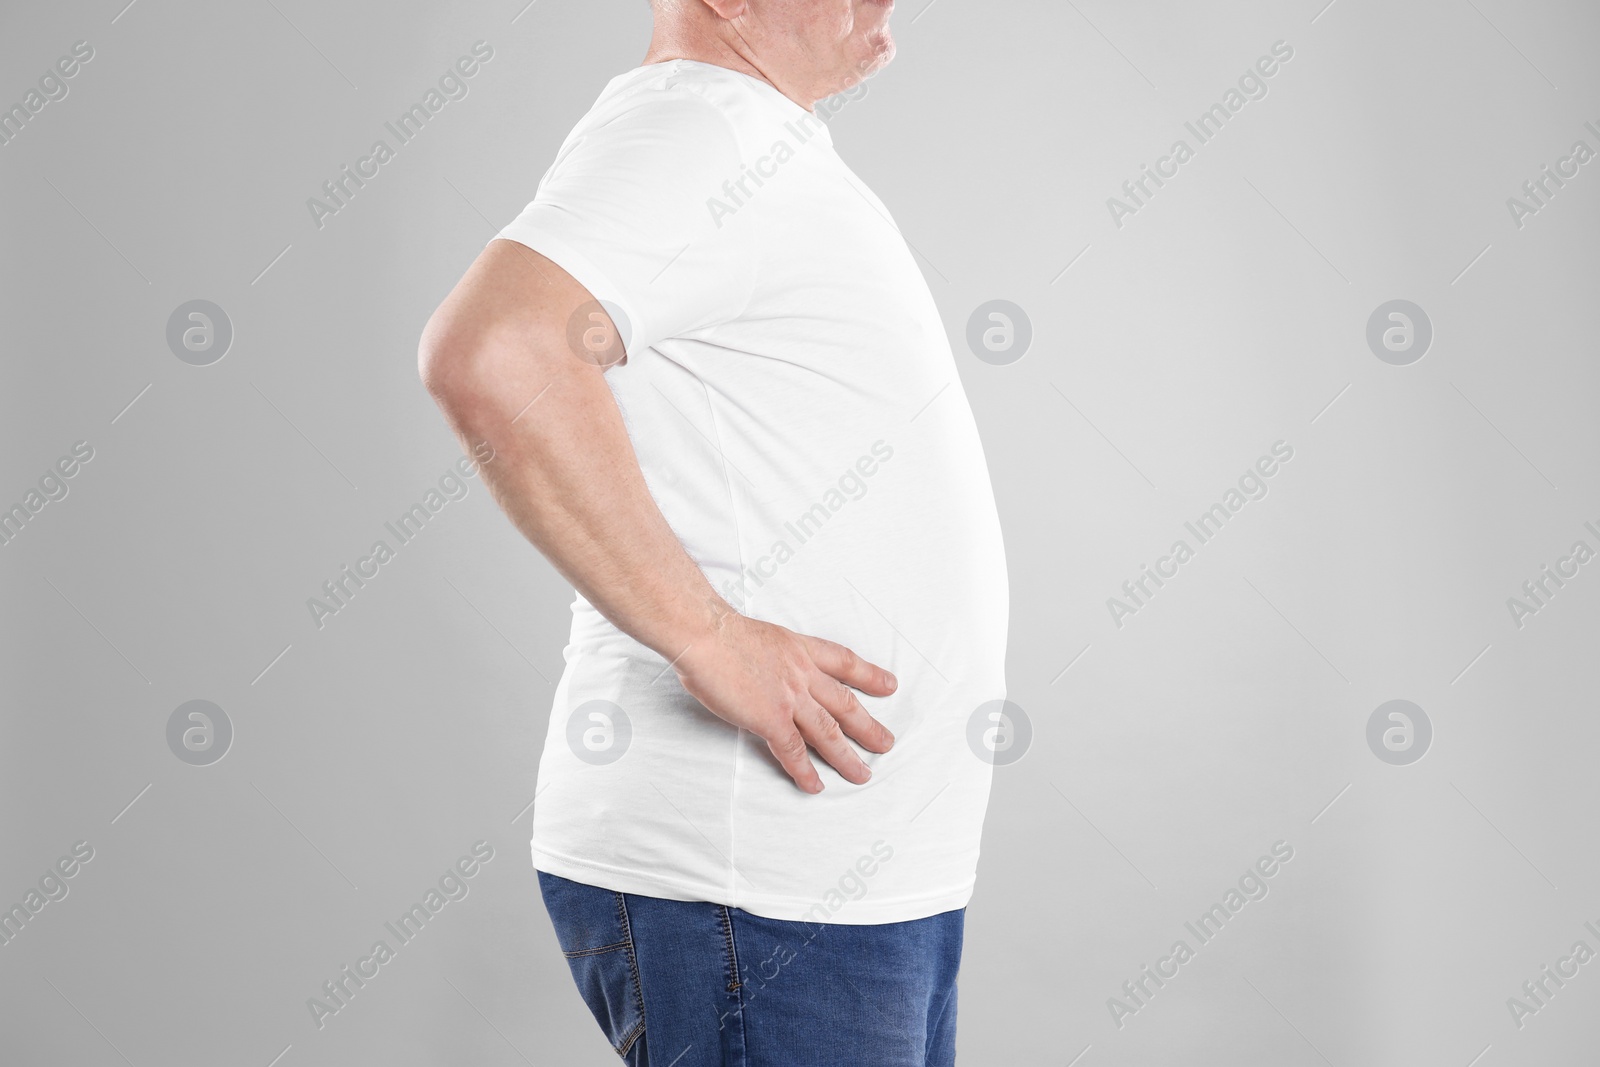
[{"x": 566, "y": 475}]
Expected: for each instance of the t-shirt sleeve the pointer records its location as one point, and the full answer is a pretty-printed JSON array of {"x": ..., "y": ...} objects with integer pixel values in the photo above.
[{"x": 626, "y": 210}]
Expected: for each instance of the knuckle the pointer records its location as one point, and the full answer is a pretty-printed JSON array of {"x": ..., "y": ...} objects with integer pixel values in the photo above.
[
  {"x": 790, "y": 746},
  {"x": 781, "y": 721}
]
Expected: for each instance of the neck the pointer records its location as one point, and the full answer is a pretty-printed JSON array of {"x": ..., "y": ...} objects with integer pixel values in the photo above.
[{"x": 717, "y": 44}]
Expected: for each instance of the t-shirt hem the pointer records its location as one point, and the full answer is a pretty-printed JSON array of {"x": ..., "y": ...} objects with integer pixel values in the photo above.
[{"x": 853, "y": 912}]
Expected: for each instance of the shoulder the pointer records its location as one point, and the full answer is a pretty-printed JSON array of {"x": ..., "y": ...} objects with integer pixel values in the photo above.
[{"x": 697, "y": 103}]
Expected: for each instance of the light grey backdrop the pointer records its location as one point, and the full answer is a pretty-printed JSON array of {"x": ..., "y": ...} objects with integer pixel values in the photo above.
[{"x": 1172, "y": 347}]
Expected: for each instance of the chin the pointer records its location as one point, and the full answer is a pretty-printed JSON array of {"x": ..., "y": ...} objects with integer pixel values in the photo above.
[{"x": 880, "y": 53}]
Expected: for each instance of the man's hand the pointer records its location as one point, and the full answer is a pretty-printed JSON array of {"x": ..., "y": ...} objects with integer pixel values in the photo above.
[{"x": 791, "y": 691}]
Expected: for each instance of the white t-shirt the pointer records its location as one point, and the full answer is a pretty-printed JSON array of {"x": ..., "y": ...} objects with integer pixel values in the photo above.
[{"x": 791, "y": 395}]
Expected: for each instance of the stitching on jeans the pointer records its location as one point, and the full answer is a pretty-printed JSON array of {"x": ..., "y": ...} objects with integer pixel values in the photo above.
[
  {"x": 733, "y": 956},
  {"x": 633, "y": 1035},
  {"x": 633, "y": 966},
  {"x": 581, "y": 952}
]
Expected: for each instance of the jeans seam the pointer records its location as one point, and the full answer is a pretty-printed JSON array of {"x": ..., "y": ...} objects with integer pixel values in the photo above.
[
  {"x": 733, "y": 955},
  {"x": 580, "y": 953},
  {"x": 629, "y": 1038},
  {"x": 735, "y": 987},
  {"x": 633, "y": 968}
]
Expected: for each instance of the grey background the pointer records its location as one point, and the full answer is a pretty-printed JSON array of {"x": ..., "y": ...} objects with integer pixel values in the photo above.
[{"x": 1168, "y": 355}]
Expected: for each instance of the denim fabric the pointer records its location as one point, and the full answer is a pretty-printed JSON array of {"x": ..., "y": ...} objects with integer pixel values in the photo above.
[
  {"x": 691, "y": 984},
  {"x": 595, "y": 935}
]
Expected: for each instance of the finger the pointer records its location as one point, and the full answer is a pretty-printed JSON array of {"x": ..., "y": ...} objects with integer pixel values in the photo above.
[
  {"x": 845, "y": 665},
  {"x": 823, "y": 733},
  {"x": 790, "y": 750},
  {"x": 840, "y": 702}
]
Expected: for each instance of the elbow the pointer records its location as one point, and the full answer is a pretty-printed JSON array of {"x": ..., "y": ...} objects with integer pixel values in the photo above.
[
  {"x": 447, "y": 362},
  {"x": 473, "y": 371}
]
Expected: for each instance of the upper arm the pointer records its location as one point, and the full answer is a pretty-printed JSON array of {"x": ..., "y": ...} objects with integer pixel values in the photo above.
[{"x": 505, "y": 322}]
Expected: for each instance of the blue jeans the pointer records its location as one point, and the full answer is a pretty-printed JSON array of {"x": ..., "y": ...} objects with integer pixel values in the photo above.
[{"x": 692, "y": 984}]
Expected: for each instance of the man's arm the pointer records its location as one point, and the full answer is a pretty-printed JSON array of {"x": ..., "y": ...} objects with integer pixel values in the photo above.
[{"x": 495, "y": 357}]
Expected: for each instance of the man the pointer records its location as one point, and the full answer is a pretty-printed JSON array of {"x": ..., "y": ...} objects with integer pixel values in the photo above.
[{"x": 722, "y": 403}]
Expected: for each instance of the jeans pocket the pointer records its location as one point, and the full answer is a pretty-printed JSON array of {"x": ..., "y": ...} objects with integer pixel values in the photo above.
[{"x": 591, "y": 925}]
